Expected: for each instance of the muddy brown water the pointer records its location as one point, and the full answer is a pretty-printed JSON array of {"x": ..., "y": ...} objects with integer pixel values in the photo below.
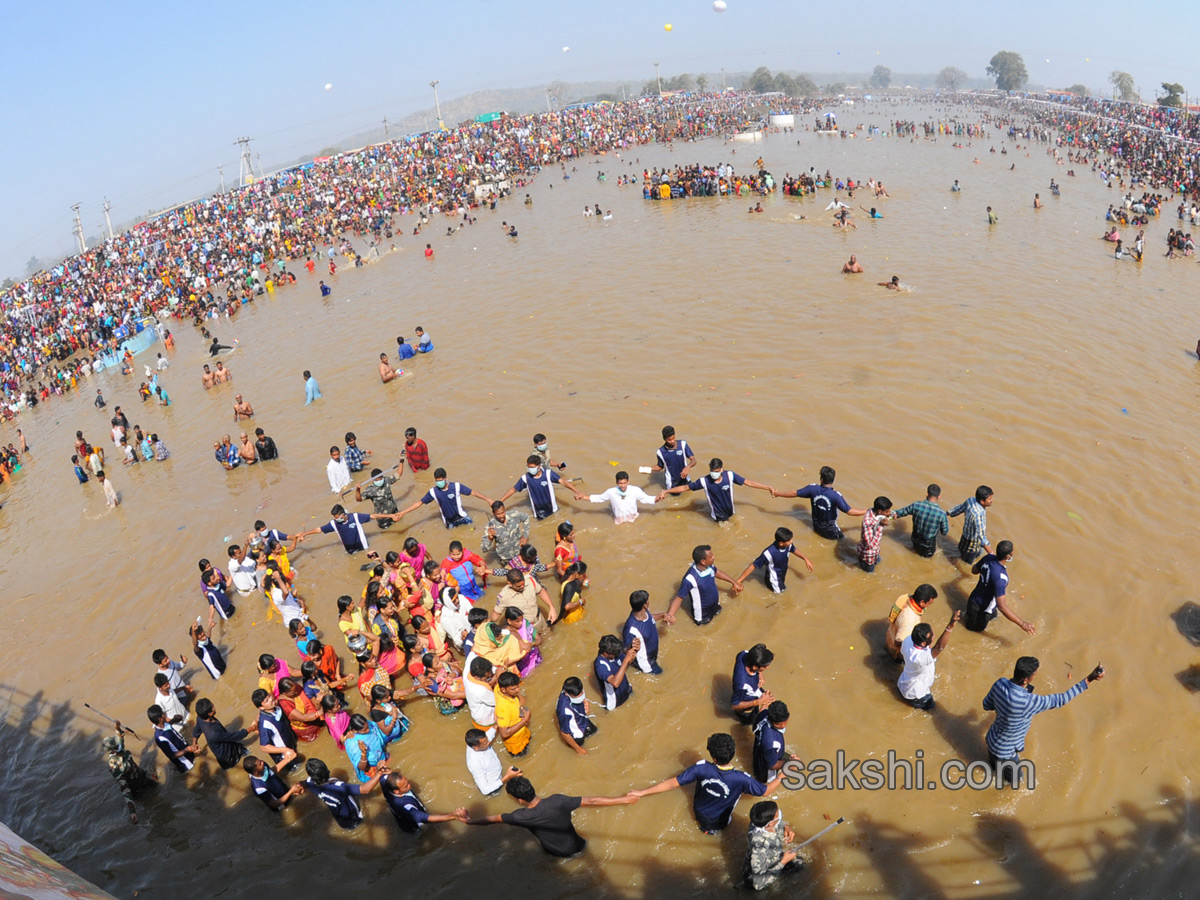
[{"x": 1023, "y": 357}]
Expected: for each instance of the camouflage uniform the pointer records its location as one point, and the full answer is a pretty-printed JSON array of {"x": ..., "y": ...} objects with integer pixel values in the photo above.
[
  {"x": 379, "y": 491},
  {"x": 763, "y": 856},
  {"x": 508, "y": 536},
  {"x": 131, "y": 779}
]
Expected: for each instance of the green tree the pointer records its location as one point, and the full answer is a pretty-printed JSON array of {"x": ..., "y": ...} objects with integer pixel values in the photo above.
[
  {"x": 881, "y": 77},
  {"x": 33, "y": 265},
  {"x": 1009, "y": 71},
  {"x": 702, "y": 82},
  {"x": 835, "y": 87},
  {"x": 805, "y": 87},
  {"x": 1172, "y": 95},
  {"x": 680, "y": 83},
  {"x": 784, "y": 83},
  {"x": 1122, "y": 83},
  {"x": 8, "y": 283},
  {"x": 951, "y": 78},
  {"x": 1080, "y": 90},
  {"x": 760, "y": 80},
  {"x": 650, "y": 89}
]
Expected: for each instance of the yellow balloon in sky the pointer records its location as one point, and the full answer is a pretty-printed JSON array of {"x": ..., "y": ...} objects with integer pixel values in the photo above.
[{"x": 667, "y": 27}]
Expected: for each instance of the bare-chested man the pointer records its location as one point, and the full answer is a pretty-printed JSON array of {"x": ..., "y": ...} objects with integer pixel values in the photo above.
[
  {"x": 893, "y": 285},
  {"x": 222, "y": 374},
  {"x": 208, "y": 378},
  {"x": 853, "y": 267},
  {"x": 242, "y": 409},
  {"x": 386, "y": 372},
  {"x": 246, "y": 450}
]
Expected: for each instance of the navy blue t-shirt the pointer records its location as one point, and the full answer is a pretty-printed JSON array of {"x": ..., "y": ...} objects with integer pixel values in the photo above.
[
  {"x": 350, "y": 531},
  {"x": 170, "y": 742},
  {"x": 719, "y": 493},
  {"x": 269, "y": 785},
  {"x": 408, "y": 809},
  {"x": 824, "y": 502},
  {"x": 572, "y": 719},
  {"x": 745, "y": 686},
  {"x": 768, "y": 747},
  {"x": 673, "y": 460},
  {"x": 340, "y": 798},
  {"x": 718, "y": 789},
  {"x": 699, "y": 592},
  {"x": 449, "y": 501},
  {"x": 541, "y": 491},
  {"x": 774, "y": 563},
  {"x": 993, "y": 583},
  {"x": 605, "y": 668},
  {"x": 275, "y": 731},
  {"x": 647, "y": 631}
]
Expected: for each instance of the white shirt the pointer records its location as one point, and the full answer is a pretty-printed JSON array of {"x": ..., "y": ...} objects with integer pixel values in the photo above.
[
  {"x": 339, "y": 475},
  {"x": 244, "y": 574},
  {"x": 172, "y": 706},
  {"x": 624, "y": 506},
  {"x": 485, "y": 768},
  {"x": 162, "y": 363},
  {"x": 917, "y": 678},
  {"x": 481, "y": 700}
]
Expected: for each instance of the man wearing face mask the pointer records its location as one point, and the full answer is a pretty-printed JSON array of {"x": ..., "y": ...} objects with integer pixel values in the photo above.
[
  {"x": 540, "y": 483},
  {"x": 448, "y": 495},
  {"x": 379, "y": 491},
  {"x": 506, "y": 533},
  {"x": 348, "y": 526},
  {"x": 699, "y": 588},
  {"x": 541, "y": 449},
  {"x": 624, "y": 499},
  {"x": 989, "y": 596},
  {"x": 718, "y": 488}
]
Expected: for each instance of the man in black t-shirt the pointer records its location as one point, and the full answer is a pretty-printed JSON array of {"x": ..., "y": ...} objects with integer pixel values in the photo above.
[{"x": 548, "y": 818}]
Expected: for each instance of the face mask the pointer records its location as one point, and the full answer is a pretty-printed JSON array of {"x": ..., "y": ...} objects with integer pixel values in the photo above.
[
  {"x": 542, "y": 447},
  {"x": 533, "y": 470},
  {"x": 440, "y": 485},
  {"x": 715, "y": 476},
  {"x": 578, "y": 700}
]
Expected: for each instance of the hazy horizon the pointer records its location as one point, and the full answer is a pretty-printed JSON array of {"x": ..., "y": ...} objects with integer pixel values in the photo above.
[{"x": 141, "y": 106}]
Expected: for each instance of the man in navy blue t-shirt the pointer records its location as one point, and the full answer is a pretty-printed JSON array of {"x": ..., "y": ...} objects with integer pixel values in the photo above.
[
  {"x": 406, "y": 806},
  {"x": 769, "y": 729},
  {"x": 699, "y": 588},
  {"x": 749, "y": 692},
  {"x": 641, "y": 625},
  {"x": 774, "y": 561},
  {"x": 825, "y": 502},
  {"x": 540, "y": 482},
  {"x": 181, "y": 754},
  {"x": 719, "y": 786},
  {"x": 574, "y": 724},
  {"x": 718, "y": 489},
  {"x": 988, "y": 598},
  {"x": 674, "y": 458},
  {"x": 612, "y": 663},
  {"x": 339, "y": 796},
  {"x": 268, "y": 786},
  {"x": 448, "y": 496},
  {"x": 348, "y": 527}
]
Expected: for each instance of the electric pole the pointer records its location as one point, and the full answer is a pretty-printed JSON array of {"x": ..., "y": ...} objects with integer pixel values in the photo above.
[
  {"x": 659, "y": 80},
  {"x": 385, "y": 128},
  {"x": 78, "y": 230},
  {"x": 246, "y": 166},
  {"x": 548, "y": 100},
  {"x": 107, "y": 220},
  {"x": 221, "y": 169},
  {"x": 723, "y": 87},
  {"x": 433, "y": 84}
]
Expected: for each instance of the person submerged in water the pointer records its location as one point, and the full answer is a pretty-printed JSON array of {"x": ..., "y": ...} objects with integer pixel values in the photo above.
[
  {"x": 853, "y": 267},
  {"x": 893, "y": 285}
]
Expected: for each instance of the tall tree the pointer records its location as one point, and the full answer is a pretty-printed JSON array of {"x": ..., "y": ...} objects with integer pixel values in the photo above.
[
  {"x": 951, "y": 78},
  {"x": 1172, "y": 95},
  {"x": 702, "y": 82},
  {"x": 33, "y": 265},
  {"x": 1009, "y": 71},
  {"x": 1080, "y": 90},
  {"x": 1122, "y": 83},
  {"x": 805, "y": 87},
  {"x": 881, "y": 77},
  {"x": 761, "y": 80}
]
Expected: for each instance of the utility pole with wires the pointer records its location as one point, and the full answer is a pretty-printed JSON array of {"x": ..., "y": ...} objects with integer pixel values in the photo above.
[
  {"x": 78, "y": 230},
  {"x": 658, "y": 79},
  {"x": 437, "y": 103},
  {"x": 221, "y": 170},
  {"x": 107, "y": 219},
  {"x": 246, "y": 166},
  {"x": 385, "y": 128}
]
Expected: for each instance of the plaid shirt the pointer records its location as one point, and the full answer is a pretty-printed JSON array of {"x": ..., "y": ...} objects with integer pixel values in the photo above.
[
  {"x": 929, "y": 520},
  {"x": 872, "y": 535},
  {"x": 974, "y": 533},
  {"x": 354, "y": 458}
]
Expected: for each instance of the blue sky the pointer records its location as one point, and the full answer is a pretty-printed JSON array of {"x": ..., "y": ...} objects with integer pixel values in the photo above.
[{"x": 139, "y": 102}]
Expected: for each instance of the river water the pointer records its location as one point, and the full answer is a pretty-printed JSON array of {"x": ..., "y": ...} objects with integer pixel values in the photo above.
[{"x": 1022, "y": 357}]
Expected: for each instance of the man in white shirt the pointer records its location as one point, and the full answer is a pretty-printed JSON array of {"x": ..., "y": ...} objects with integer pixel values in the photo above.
[
  {"x": 479, "y": 686},
  {"x": 338, "y": 471},
  {"x": 243, "y": 571},
  {"x": 624, "y": 499},
  {"x": 484, "y": 764},
  {"x": 177, "y": 715},
  {"x": 920, "y": 657}
]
